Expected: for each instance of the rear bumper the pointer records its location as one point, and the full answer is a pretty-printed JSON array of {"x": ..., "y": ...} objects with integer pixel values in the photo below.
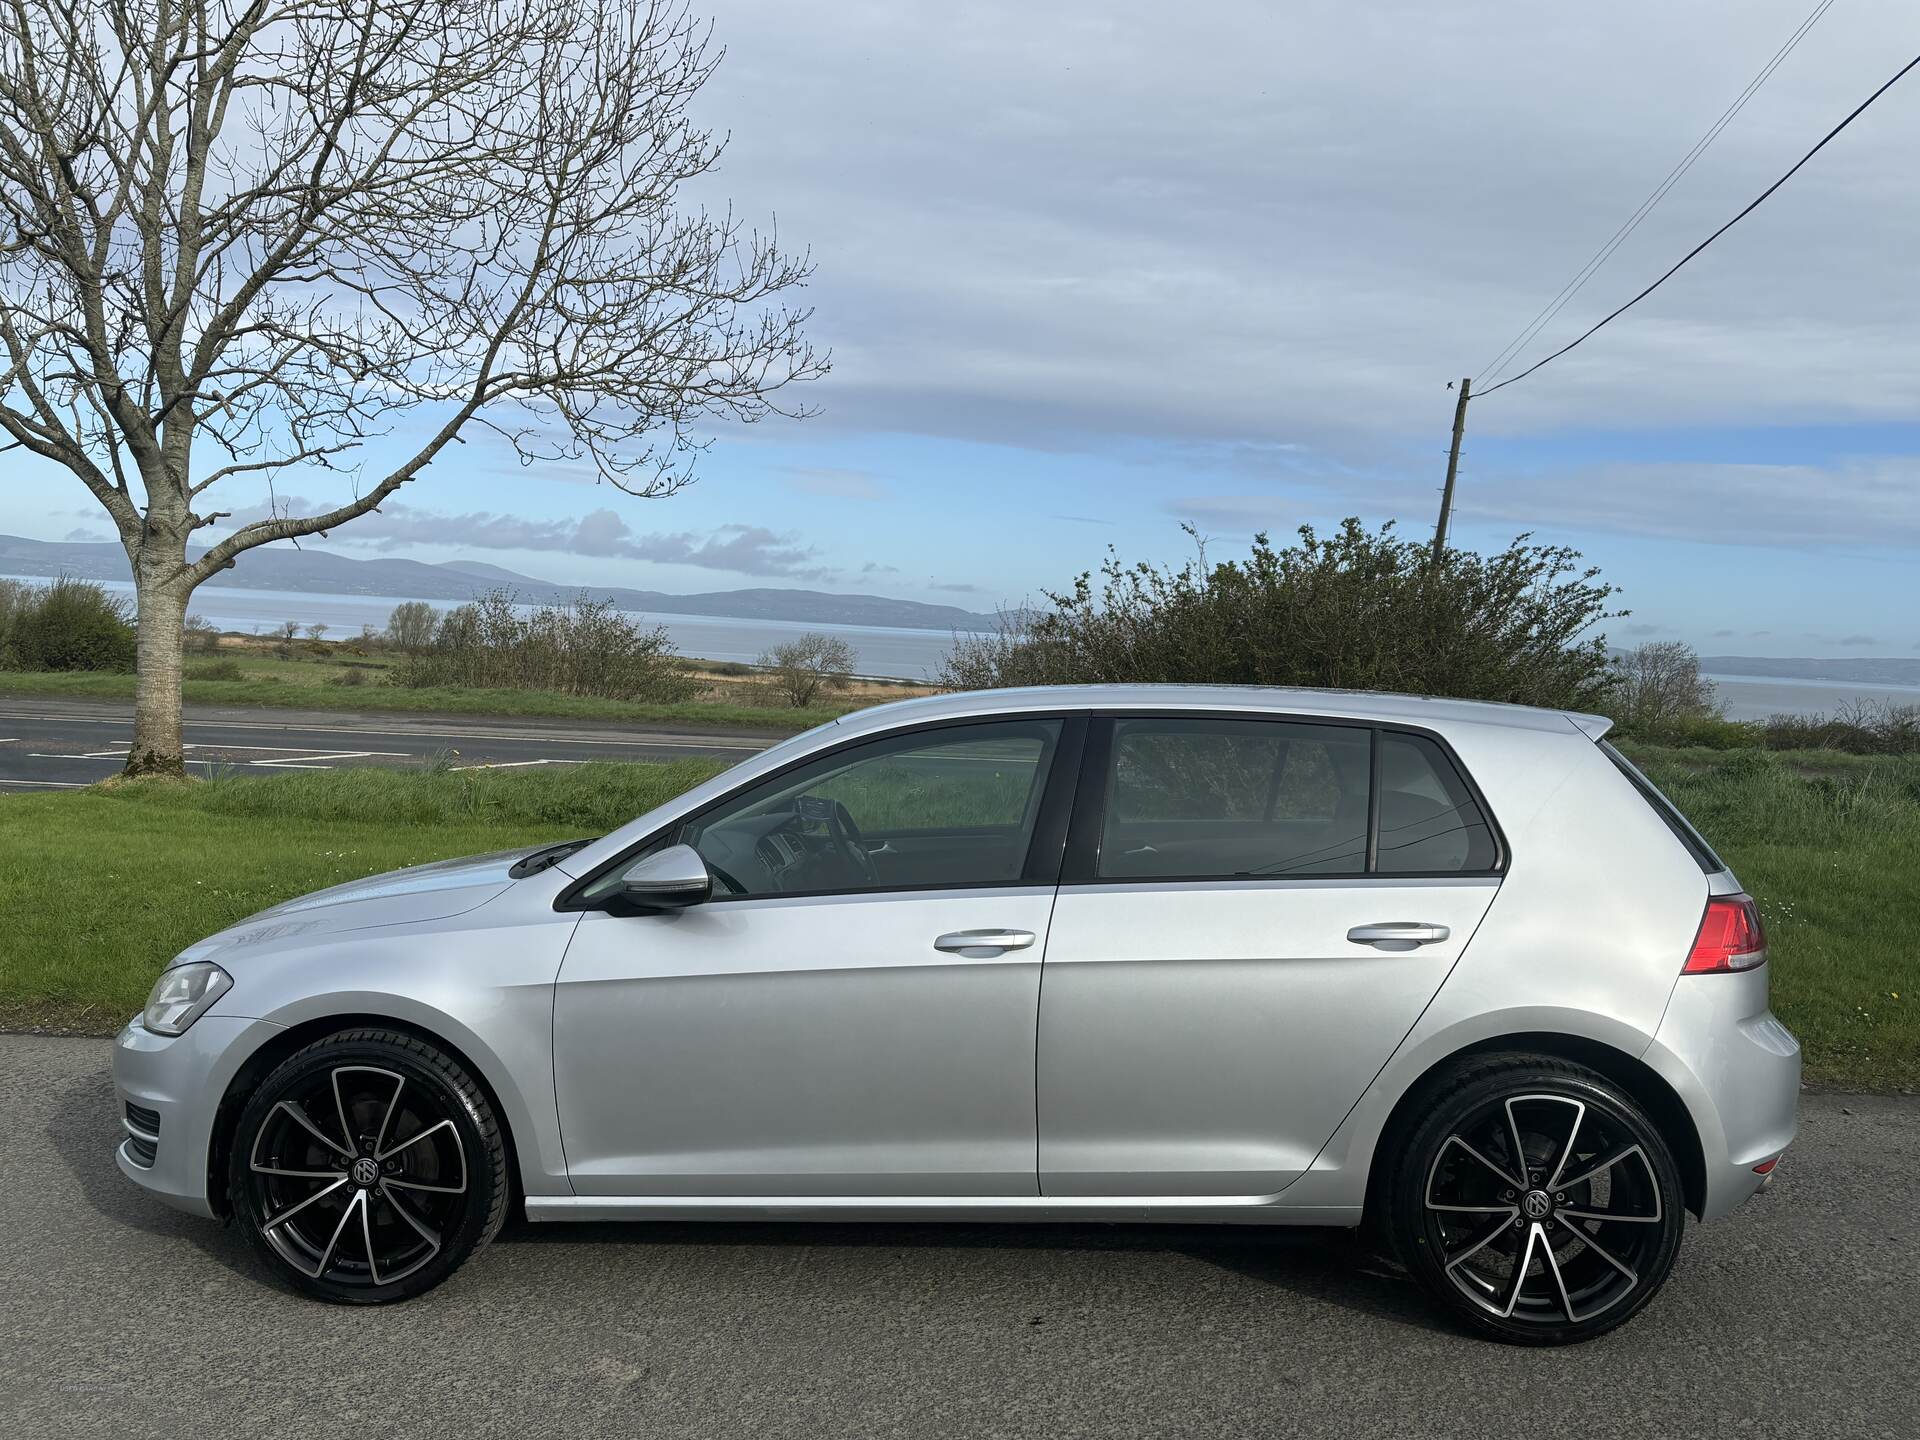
[
  {"x": 1737, "y": 1069},
  {"x": 181, "y": 1080}
]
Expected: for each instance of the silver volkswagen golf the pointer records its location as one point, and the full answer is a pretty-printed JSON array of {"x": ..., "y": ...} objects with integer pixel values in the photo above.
[{"x": 1453, "y": 971}]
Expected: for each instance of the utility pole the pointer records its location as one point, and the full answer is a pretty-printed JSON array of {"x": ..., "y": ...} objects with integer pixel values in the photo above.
[{"x": 1453, "y": 468}]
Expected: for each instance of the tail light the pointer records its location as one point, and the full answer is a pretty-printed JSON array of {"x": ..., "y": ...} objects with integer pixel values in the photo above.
[{"x": 1730, "y": 938}]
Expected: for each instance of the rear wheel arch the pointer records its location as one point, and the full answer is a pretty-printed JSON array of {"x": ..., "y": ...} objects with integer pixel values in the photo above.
[
  {"x": 265, "y": 1060},
  {"x": 1644, "y": 1085}
]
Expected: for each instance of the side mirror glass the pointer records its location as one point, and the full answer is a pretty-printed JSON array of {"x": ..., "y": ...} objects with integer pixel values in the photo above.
[{"x": 670, "y": 879}]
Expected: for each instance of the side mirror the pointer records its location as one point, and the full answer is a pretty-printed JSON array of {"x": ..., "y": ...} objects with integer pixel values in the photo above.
[{"x": 670, "y": 879}]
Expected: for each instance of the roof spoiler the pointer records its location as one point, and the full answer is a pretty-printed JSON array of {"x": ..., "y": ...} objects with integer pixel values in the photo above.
[{"x": 1593, "y": 726}]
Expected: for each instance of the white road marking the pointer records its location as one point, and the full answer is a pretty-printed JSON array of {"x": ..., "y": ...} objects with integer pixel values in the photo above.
[
  {"x": 295, "y": 754},
  {"x": 515, "y": 764},
  {"x": 47, "y": 784},
  {"x": 298, "y": 762}
]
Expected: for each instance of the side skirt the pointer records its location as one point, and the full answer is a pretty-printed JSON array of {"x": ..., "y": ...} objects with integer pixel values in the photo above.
[{"x": 1019, "y": 1209}]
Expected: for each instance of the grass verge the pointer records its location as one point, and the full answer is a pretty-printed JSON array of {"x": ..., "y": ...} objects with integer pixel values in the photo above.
[
  {"x": 272, "y": 690},
  {"x": 1829, "y": 844},
  {"x": 99, "y": 888}
]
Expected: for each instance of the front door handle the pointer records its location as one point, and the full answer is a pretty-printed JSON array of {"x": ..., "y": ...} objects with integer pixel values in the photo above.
[
  {"x": 966, "y": 941},
  {"x": 1398, "y": 934}
]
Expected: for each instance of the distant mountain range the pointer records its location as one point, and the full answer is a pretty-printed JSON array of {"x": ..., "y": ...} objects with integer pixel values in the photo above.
[
  {"x": 1851, "y": 670},
  {"x": 317, "y": 572}
]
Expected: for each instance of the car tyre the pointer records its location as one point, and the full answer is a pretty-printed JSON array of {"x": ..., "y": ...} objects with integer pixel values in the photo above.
[
  {"x": 368, "y": 1167},
  {"x": 1535, "y": 1200}
]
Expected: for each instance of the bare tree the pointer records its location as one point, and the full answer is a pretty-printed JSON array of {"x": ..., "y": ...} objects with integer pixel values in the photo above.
[
  {"x": 200, "y": 636},
  {"x": 1659, "y": 683},
  {"x": 802, "y": 668},
  {"x": 240, "y": 238},
  {"x": 410, "y": 626}
]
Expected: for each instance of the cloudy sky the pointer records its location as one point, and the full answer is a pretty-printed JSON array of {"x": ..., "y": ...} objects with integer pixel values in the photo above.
[{"x": 1093, "y": 268}]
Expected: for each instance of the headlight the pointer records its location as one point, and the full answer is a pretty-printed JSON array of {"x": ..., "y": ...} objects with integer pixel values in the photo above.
[{"x": 183, "y": 994}]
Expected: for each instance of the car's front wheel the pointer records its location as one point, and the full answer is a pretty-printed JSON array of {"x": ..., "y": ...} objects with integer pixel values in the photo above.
[
  {"x": 368, "y": 1167},
  {"x": 1536, "y": 1200}
]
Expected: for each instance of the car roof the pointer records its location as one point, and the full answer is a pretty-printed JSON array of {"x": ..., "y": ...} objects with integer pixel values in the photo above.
[{"x": 1293, "y": 700}]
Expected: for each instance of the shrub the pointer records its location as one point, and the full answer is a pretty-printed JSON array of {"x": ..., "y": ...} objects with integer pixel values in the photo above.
[
  {"x": 66, "y": 625},
  {"x": 1861, "y": 727},
  {"x": 352, "y": 676},
  {"x": 1357, "y": 609},
  {"x": 1708, "y": 732},
  {"x": 586, "y": 648},
  {"x": 216, "y": 670},
  {"x": 800, "y": 669},
  {"x": 14, "y": 598}
]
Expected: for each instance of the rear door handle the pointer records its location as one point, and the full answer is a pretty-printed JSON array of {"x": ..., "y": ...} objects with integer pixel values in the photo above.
[
  {"x": 1398, "y": 934},
  {"x": 962, "y": 941}
]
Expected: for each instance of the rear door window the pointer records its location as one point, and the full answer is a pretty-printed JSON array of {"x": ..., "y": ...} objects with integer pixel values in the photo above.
[{"x": 1206, "y": 798}]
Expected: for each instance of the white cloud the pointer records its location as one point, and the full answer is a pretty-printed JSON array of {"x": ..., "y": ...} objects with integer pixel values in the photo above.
[
  {"x": 738, "y": 549},
  {"x": 1288, "y": 225},
  {"x": 1853, "y": 503}
]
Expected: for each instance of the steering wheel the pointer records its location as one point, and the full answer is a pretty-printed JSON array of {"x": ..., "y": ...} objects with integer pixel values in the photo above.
[{"x": 846, "y": 834}]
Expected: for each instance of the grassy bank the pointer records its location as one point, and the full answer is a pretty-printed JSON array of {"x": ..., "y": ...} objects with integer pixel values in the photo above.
[
  {"x": 119, "y": 878},
  {"x": 300, "y": 686},
  {"x": 1830, "y": 846},
  {"x": 100, "y": 887}
]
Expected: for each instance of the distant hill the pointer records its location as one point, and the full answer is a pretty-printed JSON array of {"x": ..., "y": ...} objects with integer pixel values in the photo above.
[
  {"x": 1850, "y": 670},
  {"x": 319, "y": 572},
  {"x": 494, "y": 573}
]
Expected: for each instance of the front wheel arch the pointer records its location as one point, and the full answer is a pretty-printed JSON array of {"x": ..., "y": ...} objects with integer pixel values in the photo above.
[
  {"x": 1643, "y": 1084},
  {"x": 265, "y": 1060}
]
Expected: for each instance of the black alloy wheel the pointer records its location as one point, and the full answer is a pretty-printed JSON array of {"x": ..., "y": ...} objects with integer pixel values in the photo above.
[
  {"x": 368, "y": 1168},
  {"x": 1537, "y": 1201}
]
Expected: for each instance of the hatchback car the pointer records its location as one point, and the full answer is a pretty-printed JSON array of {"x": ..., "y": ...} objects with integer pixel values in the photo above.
[{"x": 1264, "y": 957}]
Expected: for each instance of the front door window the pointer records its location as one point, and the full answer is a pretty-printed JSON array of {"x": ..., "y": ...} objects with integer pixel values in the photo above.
[{"x": 949, "y": 807}]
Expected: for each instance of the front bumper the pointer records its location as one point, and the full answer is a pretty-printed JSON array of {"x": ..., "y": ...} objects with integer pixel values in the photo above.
[
  {"x": 1737, "y": 1069},
  {"x": 181, "y": 1080}
]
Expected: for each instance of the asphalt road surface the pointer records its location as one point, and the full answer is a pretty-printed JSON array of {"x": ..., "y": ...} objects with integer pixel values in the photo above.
[
  {"x": 61, "y": 744},
  {"x": 1794, "y": 1317}
]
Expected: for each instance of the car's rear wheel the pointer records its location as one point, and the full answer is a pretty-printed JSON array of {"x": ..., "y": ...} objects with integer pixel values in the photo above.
[
  {"x": 1536, "y": 1201},
  {"x": 368, "y": 1167}
]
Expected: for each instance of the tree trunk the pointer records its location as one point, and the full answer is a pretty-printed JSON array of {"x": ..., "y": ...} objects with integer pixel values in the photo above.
[{"x": 156, "y": 693}]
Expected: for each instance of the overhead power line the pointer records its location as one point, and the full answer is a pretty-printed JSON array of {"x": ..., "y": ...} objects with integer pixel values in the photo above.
[
  {"x": 1753, "y": 205},
  {"x": 1511, "y": 352}
]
